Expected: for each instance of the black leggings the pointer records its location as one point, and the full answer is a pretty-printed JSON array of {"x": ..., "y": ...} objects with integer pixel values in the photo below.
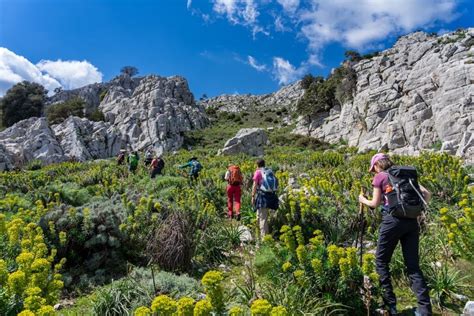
[{"x": 393, "y": 230}]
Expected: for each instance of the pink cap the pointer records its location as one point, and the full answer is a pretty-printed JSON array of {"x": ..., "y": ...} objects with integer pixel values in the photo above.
[{"x": 376, "y": 158}]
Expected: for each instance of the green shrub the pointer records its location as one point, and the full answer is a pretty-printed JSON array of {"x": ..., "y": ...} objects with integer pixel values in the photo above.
[
  {"x": 58, "y": 112},
  {"x": 97, "y": 116},
  {"x": 322, "y": 95}
]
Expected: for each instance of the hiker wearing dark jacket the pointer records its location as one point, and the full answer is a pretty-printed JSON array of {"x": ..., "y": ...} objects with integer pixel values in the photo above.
[
  {"x": 156, "y": 166},
  {"x": 396, "y": 229}
]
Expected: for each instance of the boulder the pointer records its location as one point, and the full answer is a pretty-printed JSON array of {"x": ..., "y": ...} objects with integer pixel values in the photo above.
[
  {"x": 5, "y": 162},
  {"x": 250, "y": 141},
  {"x": 468, "y": 309},
  {"x": 29, "y": 140}
]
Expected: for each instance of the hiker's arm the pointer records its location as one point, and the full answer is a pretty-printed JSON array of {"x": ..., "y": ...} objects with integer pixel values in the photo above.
[
  {"x": 376, "y": 198},
  {"x": 185, "y": 165},
  {"x": 426, "y": 194}
]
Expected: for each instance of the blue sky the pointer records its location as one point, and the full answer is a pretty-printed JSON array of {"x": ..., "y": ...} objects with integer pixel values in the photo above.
[{"x": 220, "y": 46}]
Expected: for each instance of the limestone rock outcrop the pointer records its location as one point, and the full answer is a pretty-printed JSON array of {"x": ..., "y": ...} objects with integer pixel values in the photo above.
[
  {"x": 417, "y": 95},
  {"x": 250, "y": 141},
  {"x": 287, "y": 97},
  {"x": 29, "y": 140},
  {"x": 81, "y": 139},
  {"x": 154, "y": 114},
  {"x": 5, "y": 162}
]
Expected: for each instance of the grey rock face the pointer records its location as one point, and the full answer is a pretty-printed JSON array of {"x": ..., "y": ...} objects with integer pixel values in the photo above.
[
  {"x": 414, "y": 96},
  {"x": 154, "y": 114},
  {"x": 81, "y": 139},
  {"x": 250, "y": 141},
  {"x": 287, "y": 97},
  {"x": 5, "y": 162},
  {"x": 31, "y": 139}
]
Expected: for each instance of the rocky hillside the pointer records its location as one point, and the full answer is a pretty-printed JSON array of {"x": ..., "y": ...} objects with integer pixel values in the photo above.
[
  {"x": 145, "y": 113},
  {"x": 287, "y": 97},
  {"x": 417, "y": 95}
]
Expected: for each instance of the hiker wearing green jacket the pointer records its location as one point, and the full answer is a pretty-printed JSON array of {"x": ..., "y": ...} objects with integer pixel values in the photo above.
[
  {"x": 132, "y": 160},
  {"x": 195, "y": 167}
]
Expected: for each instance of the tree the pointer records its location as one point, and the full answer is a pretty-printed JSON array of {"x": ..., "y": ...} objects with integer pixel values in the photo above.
[
  {"x": 307, "y": 81},
  {"x": 352, "y": 55},
  {"x": 22, "y": 101},
  {"x": 129, "y": 71},
  {"x": 58, "y": 112}
]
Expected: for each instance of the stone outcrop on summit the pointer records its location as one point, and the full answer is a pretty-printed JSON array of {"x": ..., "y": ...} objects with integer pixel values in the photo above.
[
  {"x": 287, "y": 97},
  {"x": 417, "y": 95},
  {"x": 155, "y": 114}
]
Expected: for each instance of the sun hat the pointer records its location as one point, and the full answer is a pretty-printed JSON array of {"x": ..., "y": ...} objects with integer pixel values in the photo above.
[{"x": 376, "y": 158}]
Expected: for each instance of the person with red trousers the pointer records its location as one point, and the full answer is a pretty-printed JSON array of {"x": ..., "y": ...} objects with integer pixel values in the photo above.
[{"x": 234, "y": 179}]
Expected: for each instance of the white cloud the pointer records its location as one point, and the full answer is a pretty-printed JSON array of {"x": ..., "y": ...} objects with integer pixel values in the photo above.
[
  {"x": 244, "y": 12},
  {"x": 254, "y": 64},
  {"x": 357, "y": 23},
  {"x": 285, "y": 72},
  {"x": 51, "y": 74},
  {"x": 289, "y": 6},
  {"x": 71, "y": 73},
  {"x": 15, "y": 68}
]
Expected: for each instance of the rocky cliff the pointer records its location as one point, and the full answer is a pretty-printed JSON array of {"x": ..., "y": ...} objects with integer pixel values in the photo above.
[
  {"x": 417, "y": 95},
  {"x": 145, "y": 113}
]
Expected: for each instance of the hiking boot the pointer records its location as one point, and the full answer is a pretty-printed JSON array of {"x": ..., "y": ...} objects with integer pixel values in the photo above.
[{"x": 237, "y": 217}]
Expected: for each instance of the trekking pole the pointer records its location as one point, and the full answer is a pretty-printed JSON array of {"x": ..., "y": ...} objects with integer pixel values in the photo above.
[{"x": 361, "y": 226}]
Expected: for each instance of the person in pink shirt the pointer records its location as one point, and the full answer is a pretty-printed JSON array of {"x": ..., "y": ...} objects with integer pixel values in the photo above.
[
  {"x": 264, "y": 197},
  {"x": 393, "y": 230}
]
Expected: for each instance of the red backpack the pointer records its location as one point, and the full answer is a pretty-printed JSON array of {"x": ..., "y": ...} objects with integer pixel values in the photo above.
[{"x": 235, "y": 176}]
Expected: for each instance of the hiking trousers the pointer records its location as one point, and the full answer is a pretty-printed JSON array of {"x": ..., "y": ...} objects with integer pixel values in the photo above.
[
  {"x": 262, "y": 218},
  {"x": 234, "y": 193},
  {"x": 393, "y": 230}
]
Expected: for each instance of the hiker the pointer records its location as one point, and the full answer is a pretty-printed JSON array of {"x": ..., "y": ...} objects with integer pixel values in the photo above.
[
  {"x": 132, "y": 160},
  {"x": 402, "y": 199},
  {"x": 264, "y": 197},
  {"x": 195, "y": 166},
  {"x": 121, "y": 157},
  {"x": 148, "y": 158},
  {"x": 234, "y": 179},
  {"x": 156, "y": 166}
]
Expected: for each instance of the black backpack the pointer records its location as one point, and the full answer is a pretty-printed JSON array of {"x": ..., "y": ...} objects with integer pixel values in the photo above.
[{"x": 403, "y": 194}]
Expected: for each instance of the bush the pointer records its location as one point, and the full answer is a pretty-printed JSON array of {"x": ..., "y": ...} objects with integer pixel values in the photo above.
[
  {"x": 22, "y": 101},
  {"x": 59, "y": 112},
  {"x": 96, "y": 116},
  {"x": 172, "y": 244},
  {"x": 95, "y": 248},
  {"x": 322, "y": 95}
]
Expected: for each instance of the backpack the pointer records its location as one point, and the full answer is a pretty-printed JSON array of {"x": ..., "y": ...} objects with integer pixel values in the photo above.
[
  {"x": 403, "y": 193},
  {"x": 269, "y": 181},
  {"x": 133, "y": 161},
  {"x": 196, "y": 167},
  {"x": 235, "y": 176}
]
